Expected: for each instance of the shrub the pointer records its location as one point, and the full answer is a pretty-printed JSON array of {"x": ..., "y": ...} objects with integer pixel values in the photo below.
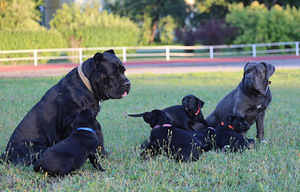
[
  {"x": 20, "y": 40},
  {"x": 91, "y": 28},
  {"x": 257, "y": 24},
  {"x": 165, "y": 30},
  {"x": 216, "y": 32}
]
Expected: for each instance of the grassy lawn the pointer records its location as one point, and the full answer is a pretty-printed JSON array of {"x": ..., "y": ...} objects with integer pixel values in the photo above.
[{"x": 272, "y": 166}]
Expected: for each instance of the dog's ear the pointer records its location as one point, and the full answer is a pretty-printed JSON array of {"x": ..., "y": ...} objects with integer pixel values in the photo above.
[
  {"x": 246, "y": 66},
  {"x": 148, "y": 116},
  {"x": 229, "y": 119},
  {"x": 110, "y": 51},
  {"x": 98, "y": 57},
  {"x": 270, "y": 69},
  {"x": 200, "y": 102}
]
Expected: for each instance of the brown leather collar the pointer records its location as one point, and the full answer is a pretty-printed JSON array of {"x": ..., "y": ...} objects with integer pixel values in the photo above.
[{"x": 84, "y": 78}]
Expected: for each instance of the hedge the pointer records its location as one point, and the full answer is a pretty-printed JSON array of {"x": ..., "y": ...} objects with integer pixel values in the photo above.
[{"x": 22, "y": 40}]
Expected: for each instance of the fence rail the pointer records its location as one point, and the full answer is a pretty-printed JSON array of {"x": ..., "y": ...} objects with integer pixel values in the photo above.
[{"x": 36, "y": 56}]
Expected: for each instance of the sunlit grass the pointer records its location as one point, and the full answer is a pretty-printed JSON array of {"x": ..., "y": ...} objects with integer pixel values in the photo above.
[{"x": 273, "y": 166}]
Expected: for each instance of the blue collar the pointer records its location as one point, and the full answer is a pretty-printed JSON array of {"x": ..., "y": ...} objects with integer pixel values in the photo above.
[{"x": 85, "y": 129}]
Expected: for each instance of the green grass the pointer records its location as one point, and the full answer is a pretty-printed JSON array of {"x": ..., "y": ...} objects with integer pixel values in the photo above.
[{"x": 273, "y": 166}]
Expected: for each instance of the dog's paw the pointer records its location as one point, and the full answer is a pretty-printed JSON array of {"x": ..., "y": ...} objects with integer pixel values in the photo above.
[
  {"x": 264, "y": 141},
  {"x": 226, "y": 148}
]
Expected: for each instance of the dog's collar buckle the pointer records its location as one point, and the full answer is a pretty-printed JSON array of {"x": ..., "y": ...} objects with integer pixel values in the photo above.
[{"x": 85, "y": 129}]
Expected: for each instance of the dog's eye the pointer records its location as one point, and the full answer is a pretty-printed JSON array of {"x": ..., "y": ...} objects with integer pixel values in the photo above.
[
  {"x": 258, "y": 72},
  {"x": 114, "y": 74}
]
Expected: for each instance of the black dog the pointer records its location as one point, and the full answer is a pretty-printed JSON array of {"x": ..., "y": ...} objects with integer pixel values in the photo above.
[
  {"x": 166, "y": 138},
  {"x": 49, "y": 121},
  {"x": 228, "y": 134},
  {"x": 187, "y": 116},
  {"x": 206, "y": 137},
  {"x": 71, "y": 153},
  {"x": 250, "y": 98}
]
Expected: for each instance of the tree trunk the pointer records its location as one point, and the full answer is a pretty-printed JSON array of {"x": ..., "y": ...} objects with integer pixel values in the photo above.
[{"x": 153, "y": 30}]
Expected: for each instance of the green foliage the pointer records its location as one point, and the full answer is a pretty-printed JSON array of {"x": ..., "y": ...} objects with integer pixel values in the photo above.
[
  {"x": 148, "y": 13},
  {"x": 166, "y": 28},
  {"x": 145, "y": 31},
  {"x": 19, "y": 15},
  {"x": 272, "y": 166},
  {"x": 21, "y": 40},
  {"x": 91, "y": 28},
  {"x": 257, "y": 24}
]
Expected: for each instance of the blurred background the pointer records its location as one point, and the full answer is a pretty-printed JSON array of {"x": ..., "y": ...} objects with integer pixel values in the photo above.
[{"x": 48, "y": 24}]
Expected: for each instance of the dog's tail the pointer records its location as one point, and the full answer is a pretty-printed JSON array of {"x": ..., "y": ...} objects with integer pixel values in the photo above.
[{"x": 136, "y": 115}]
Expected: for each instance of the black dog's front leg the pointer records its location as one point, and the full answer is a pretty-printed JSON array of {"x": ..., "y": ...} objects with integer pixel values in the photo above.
[
  {"x": 103, "y": 152},
  {"x": 260, "y": 127},
  {"x": 95, "y": 162}
]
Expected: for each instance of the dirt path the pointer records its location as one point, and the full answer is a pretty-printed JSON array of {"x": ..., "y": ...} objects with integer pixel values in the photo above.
[{"x": 158, "y": 67}]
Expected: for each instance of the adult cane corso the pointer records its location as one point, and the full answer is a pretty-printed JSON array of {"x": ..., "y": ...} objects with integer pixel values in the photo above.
[
  {"x": 49, "y": 121},
  {"x": 228, "y": 134},
  {"x": 71, "y": 153},
  {"x": 250, "y": 99},
  {"x": 187, "y": 116},
  {"x": 166, "y": 138}
]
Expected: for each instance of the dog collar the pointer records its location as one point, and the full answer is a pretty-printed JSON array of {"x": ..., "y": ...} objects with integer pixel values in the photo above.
[
  {"x": 84, "y": 78},
  {"x": 229, "y": 126},
  {"x": 164, "y": 125},
  {"x": 198, "y": 111},
  {"x": 85, "y": 129}
]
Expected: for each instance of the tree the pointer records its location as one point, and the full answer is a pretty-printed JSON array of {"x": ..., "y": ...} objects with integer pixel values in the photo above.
[
  {"x": 88, "y": 27},
  {"x": 19, "y": 15},
  {"x": 257, "y": 24},
  {"x": 155, "y": 10}
]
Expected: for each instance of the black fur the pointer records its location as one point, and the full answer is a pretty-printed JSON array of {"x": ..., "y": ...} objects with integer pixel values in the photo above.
[
  {"x": 71, "y": 153},
  {"x": 231, "y": 138},
  {"x": 50, "y": 120},
  {"x": 167, "y": 139}
]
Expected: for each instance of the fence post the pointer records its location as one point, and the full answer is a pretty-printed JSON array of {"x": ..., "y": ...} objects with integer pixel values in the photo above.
[
  {"x": 254, "y": 50},
  {"x": 124, "y": 54},
  {"x": 297, "y": 48},
  {"x": 211, "y": 52},
  {"x": 168, "y": 53},
  {"x": 35, "y": 57},
  {"x": 80, "y": 55}
]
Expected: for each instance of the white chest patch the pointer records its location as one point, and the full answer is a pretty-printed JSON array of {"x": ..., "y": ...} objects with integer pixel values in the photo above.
[{"x": 258, "y": 106}]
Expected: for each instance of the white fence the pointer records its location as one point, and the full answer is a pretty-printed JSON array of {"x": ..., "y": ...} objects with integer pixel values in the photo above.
[{"x": 167, "y": 53}]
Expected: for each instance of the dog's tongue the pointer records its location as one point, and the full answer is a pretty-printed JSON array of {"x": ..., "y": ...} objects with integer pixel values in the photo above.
[{"x": 124, "y": 94}]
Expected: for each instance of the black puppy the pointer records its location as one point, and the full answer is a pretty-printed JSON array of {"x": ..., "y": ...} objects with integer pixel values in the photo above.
[
  {"x": 174, "y": 142},
  {"x": 72, "y": 152},
  {"x": 228, "y": 134},
  {"x": 207, "y": 137},
  {"x": 187, "y": 116}
]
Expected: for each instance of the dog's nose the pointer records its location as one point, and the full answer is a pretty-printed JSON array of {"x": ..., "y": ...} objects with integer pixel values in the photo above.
[{"x": 127, "y": 85}]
